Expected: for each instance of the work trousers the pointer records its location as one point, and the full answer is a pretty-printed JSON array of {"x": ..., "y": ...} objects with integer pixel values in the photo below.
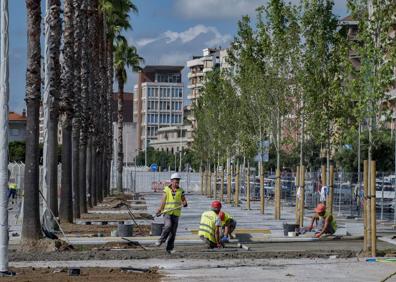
[{"x": 169, "y": 232}]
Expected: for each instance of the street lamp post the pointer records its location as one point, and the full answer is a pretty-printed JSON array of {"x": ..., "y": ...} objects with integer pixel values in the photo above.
[{"x": 181, "y": 148}]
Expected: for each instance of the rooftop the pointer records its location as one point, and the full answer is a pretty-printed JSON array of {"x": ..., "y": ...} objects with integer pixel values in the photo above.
[
  {"x": 12, "y": 116},
  {"x": 154, "y": 68}
]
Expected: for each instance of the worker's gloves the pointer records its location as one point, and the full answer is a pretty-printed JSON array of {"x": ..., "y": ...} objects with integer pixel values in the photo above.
[{"x": 225, "y": 240}]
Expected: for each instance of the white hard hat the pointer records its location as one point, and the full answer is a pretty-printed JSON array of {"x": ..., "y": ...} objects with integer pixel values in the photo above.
[{"x": 175, "y": 176}]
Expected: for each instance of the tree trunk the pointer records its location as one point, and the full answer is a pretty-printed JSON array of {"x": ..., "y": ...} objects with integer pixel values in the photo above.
[
  {"x": 53, "y": 163},
  {"x": 77, "y": 24},
  {"x": 75, "y": 172},
  {"x": 89, "y": 171},
  {"x": 31, "y": 229},
  {"x": 83, "y": 178},
  {"x": 66, "y": 204},
  {"x": 4, "y": 96},
  {"x": 120, "y": 153},
  {"x": 51, "y": 100},
  {"x": 93, "y": 175},
  {"x": 84, "y": 116}
]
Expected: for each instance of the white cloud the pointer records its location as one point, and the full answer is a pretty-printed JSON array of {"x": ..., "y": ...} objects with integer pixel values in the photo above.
[{"x": 188, "y": 36}]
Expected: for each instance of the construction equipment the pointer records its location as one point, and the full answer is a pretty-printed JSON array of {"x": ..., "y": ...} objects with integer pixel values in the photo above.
[
  {"x": 132, "y": 217},
  {"x": 165, "y": 211}
]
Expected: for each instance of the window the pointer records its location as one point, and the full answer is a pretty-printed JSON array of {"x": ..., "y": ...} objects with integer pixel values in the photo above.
[
  {"x": 14, "y": 132},
  {"x": 180, "y": 93}
]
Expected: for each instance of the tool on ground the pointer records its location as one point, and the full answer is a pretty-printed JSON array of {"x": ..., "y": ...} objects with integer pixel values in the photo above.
[
  {"x": 165, "y": 211},
  {"x": 133, "y": 243},
  {"x": 133, "y": 217}
]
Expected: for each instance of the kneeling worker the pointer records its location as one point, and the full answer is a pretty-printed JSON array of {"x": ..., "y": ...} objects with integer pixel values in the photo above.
[
  {"x": 209, "y": 227},
  {"x": 326, "y": 223},
  {"x": 228, "y": 225}
]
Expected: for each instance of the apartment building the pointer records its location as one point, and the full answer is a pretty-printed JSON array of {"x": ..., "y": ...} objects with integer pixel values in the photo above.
[{"x": 158, "y": 102}]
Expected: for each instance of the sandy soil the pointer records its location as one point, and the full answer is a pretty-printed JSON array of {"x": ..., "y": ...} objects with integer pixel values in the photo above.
[
  {"x": 86, "y": 274},
  {"x": 341, "y": 249},
  {"x": 103, "y": 230},
  {"x": 121, "y": 216}
]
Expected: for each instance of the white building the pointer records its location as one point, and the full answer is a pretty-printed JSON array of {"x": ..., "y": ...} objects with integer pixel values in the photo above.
[{"x": 158, "y": 102}]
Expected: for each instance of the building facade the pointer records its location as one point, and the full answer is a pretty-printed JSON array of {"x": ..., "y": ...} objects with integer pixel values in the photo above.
[
  {"x": 158, "y": 102},
  {"x": 173, "y": 139},
  {"x": 17, "y": 127},
  {"x": 198, "y": 67}
]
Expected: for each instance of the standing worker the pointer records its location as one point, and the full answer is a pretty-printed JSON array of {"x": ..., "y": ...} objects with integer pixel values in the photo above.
[
  {"x": 171, "y": 203},
  {"x": 228, "y": 225},
  {"x": 326, "y": 223},
  {"x": 12, "y": 188},
  {"x": 209, "y": 227}
]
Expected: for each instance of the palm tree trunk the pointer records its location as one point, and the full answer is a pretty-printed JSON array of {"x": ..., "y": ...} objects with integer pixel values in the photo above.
[
  {"x": 31, "y": 229},
  {"x": 66, "y": 204},
  {"x": 77, "y": 108},
  {"x": 84, "y": 111},
  {"x": 89, "y": 172},
  {"x": 51, "y": 99},
  {"x": 110, "y": 75},
  {"x": 120, "y": 153},
  {"x": 93, "y": 174},
  {"x": 4, "y": 96}
]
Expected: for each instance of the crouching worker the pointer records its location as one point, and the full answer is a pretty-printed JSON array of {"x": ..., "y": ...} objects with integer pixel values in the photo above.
[
  {"x": 209, "y": 227},
  {"x": 228, "y": 225},
  {"x": 326, "y": 223}
]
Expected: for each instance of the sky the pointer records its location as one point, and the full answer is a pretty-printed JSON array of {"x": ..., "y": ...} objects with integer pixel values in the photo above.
[{"x": 164, "y": 32}]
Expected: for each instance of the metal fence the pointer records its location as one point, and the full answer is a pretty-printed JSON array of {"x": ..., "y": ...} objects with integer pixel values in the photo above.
[
  {"x": 347, "y": 199},
  {"x": 140, "y": 179}
]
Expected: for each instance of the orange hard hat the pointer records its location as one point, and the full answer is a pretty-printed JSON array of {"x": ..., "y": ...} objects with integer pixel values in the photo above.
[
  {"x": 216, "y": 205},
  {"x": 320, "y": 208},
  {"x": 221, "y": 215}
]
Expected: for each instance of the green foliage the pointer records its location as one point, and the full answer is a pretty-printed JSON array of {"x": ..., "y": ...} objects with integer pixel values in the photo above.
[
  {"x": 125, "y": 56},
  {"x": 383, "y": 151},
  {"x": 17, "y": 151},
  {"x": 166, "y": 160}
]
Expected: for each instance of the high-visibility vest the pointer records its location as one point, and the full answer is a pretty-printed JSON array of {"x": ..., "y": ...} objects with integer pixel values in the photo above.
[
  {"x": 227, "y": 218},
  {"x": 207, "y": 227},
  {"x": 172, "y": 202},
  {"x": 12, "y": 186},
  {"x": 333, "y": 222}
]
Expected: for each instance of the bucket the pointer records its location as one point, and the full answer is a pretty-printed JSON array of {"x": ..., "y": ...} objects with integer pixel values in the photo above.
[
  {"x": 156, "y": 229},
  {"x": 289, "y": 228},
  {"x": 124, "y": 230}
]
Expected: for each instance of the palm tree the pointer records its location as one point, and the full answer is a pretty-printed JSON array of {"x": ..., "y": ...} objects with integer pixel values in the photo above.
[
  {"x": 53, "y": 34},
  {"x": 77, "y": 21},
  {"x": 83, "y": 160},
  {"x": 31, "y": 229},
  {"x": 66, "y": 108},
  {"x": 124, "y": 56},
  {"x": 116, "y": 14},
  {"x": 4, "y": 94}
]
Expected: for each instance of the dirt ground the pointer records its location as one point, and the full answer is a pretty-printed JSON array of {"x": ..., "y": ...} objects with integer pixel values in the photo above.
[
  {"x": 325, "y": 249},
  {"x": 86, "y": 274},
  {"x": 101, "y": 230},
  {"x": 120, "y": 216}
]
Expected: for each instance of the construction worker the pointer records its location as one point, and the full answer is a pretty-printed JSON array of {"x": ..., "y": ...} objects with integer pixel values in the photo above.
[
  {"x": 171, "y": 203},
  {"x": 228, "y": 225},
  {"x": 209, "y": 227},
  {"x": 12, "y": 188},
  {"x": 326, "y": 223}
]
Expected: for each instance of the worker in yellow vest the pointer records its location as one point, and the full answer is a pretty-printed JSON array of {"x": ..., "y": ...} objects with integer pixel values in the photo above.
[
  {"x": 326, "y": 223},
  {"x": 209, "y": 227},
  {"x": 171, "y": 203},
  {"x": 12, "y": 188},
  {"x": 228, "y": 225}
]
